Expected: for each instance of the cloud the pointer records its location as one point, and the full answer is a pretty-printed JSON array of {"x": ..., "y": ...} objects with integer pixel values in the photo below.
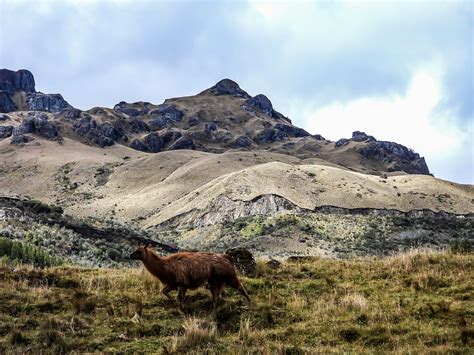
[{"x": 414, "y": 118}]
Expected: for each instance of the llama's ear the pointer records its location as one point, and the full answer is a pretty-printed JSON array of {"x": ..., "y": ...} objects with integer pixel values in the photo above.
[{"x": 148, "y": 245}]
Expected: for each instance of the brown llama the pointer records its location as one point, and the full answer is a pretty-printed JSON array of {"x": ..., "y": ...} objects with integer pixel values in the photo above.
[{"x": 190, "y": 270}]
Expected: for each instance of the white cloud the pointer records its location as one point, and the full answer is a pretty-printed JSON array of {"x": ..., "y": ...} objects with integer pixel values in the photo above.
[{"x": 412, "y": 119}]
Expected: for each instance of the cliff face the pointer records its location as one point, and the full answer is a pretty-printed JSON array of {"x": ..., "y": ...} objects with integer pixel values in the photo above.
[{"x": 17, "y": 86}]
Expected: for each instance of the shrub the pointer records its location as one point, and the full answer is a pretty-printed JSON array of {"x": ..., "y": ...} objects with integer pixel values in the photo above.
[{"x": 27, "y": 254}]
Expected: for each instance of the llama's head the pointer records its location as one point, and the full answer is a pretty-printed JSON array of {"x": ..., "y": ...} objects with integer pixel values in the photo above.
[{"x": 140, "y": 253}]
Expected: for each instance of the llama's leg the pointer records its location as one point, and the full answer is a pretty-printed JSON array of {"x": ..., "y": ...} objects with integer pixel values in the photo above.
[
  {"x": 166, "y": 292},
  {"x": 235, "y": 283},
  {"x": 216, "y": 289},
  {"x": 181, "y": 294}
]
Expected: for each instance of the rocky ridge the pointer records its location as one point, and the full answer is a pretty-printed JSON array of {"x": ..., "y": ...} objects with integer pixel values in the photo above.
[{"x": 221, "y": 118}]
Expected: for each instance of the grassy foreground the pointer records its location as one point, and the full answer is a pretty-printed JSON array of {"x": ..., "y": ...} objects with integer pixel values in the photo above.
[{"x": 413, "y": 302}]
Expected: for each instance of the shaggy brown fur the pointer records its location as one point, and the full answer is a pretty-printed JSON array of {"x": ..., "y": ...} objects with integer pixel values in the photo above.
[{"x": 186, "y": 270}]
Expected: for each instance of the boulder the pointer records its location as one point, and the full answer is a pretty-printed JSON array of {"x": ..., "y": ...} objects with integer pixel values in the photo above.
[
  {"x": 153, "y": 143},
  {"x": 6, "y": 131},
  {"x": 183, "y": 143},
  {"x": 4, "y": 117},
  {"x": 37, "y": 123},
  {"x": 138, "y": 126},
  {"x": 21, "y": 80},
  {"x": 243, "y": 260},
  {"x": 193, "y": 121},
  {"x": 292, "y": 131},
  {"x": 319, "y": 137},
  {"x": 71, "y": 113},
  {"x": 273, "y": 264},
  {"x": 358, "y": 136},
  {"x": 211, "y": 126},
  {"x": 165, "y": 114},
  {"x": 342, "y": 142},
  {"x": 21, "y": 139},
  {"x": 226, "y": 87},
  {"x": 261, "y": 103},
  {"x": 103, "y": 135},
  {"x": 243, "y": 142},
  {"x": 38, "y": 101},
  {"x": 171, "y": 137},
  {"x": 138, "y": 145},
  {"x": 271, "y": 135}
]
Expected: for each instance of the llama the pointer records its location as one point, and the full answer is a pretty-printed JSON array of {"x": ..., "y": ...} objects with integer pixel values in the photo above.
[{"x": 190, "y": 270}]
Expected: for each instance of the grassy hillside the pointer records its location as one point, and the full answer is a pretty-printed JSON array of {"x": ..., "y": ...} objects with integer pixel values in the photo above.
[
  {"x": 417, "y": 302},
  {"x": 146, "y": 189}
]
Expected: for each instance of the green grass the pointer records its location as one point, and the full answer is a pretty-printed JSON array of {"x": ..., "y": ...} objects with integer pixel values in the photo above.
[{"x": 413, "y": 302}]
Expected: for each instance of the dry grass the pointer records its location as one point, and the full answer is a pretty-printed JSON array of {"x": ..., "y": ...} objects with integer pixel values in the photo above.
[{"x": 414, "y": 302}]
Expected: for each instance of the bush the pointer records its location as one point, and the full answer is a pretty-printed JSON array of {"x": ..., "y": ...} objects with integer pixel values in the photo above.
[{"x": 26, "y": 254}]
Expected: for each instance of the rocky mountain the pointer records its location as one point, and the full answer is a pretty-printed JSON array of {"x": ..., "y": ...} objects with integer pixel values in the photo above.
[
  {"x": 216, "y": 170},
  {"x": 17, "y": 92},
  {"x": 221, "y": 118}
]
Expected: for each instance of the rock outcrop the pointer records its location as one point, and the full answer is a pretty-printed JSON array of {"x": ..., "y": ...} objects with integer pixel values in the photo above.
[
  {"x": 38, "y": 101},
  {"x": 165, "y": 115},
  {"x": 104, "y": 134},
  {"x": 263, "y": 104},
  {"x": 226, "y": 87},
  {"x": 396, "y": 156},
  {"x": 21, "y": 80},
  {"x": 6, "y": 131},
  {"x": 37, "y": 123}
]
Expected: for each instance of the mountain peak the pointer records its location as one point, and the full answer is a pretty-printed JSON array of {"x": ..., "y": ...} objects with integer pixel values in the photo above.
[
  {"x": 226, "y": 87},
  {"x": 21, "y": 80}
]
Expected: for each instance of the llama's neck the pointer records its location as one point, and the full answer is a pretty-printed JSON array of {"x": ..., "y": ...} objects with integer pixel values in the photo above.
[{"x": 153, "y": 263}]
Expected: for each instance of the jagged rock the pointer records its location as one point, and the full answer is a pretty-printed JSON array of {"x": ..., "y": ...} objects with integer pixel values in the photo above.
[
  {"x": 6, "y": 103},
  {"x": 292, "y": 131},
  {"x": 273, "y": 264},
  {"x": 319, "y": 137},
  {"x": 21, "y": 139},
  {"x": 165, "y": 114},
  {"x": 4, "y": 117},
  {"x": 153, "y": 143},
  {"x": 103, "y": 135},
  {"x": 400, "y": 157},
  {"x": 171, "y": 137},
  {"x": 138, "y": 126},
  {"x": 243, "y": 142},
  {"x": 38, "y": 101},
  {"x": 212, "y": 126},
  {"x": 37, "y": 123},
  {"x": 243, "y": 260},
  {"x": 341, "y": 142},
  {"x": 261, "y": 103},
  {"x": 358, "y": 136},
  {"x": 123, "y": 107},
  {"x": 183, "y": 143},
  {"x": 271, "y": 135},
  {"x": 138, "y": 145},
  {"x": 226, "y": 87},
  {"x": 108, "y": 130},
  {"x": 71, "y": 113},
  {"x": 6, "y": 131},
  {"x": 21, "y": 80},
  {"x": 193, "y": 121}
]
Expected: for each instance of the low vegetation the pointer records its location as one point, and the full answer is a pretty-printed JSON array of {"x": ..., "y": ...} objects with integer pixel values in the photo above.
[{"x": 418, "y": 301}]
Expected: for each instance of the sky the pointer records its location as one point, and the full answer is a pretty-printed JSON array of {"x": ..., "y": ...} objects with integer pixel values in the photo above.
[{"x": 401, "y": 71}]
